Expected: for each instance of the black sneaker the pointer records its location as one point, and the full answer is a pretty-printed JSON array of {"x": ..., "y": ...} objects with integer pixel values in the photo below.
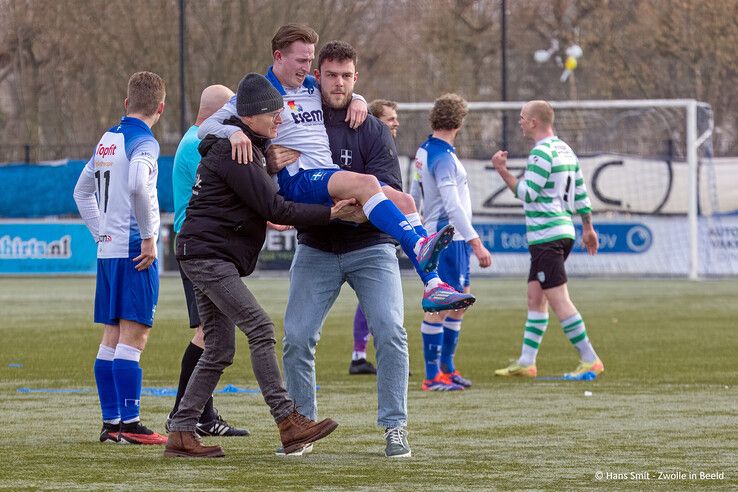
[
  {"x": 361, "y": 366},
  {"x": 110, "y": 433},
  {"x": 137, "y": 433},
  {"x": 219, "y": 427}
]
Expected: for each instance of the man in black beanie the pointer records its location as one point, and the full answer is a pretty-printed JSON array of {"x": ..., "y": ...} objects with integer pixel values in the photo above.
[{"x": 219, "y": 243}]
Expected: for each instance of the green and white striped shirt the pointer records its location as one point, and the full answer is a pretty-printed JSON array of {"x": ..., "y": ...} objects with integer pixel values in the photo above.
[{"x": 552, "y": 190}]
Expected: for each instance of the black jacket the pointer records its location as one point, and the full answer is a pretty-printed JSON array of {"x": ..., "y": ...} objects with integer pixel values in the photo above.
[
  {"x": 231, "y": 203},
  {"x": 370, "y": 149}
]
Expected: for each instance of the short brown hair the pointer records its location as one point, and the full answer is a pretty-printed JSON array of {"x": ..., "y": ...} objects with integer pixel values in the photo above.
[
  {"x": 376, "y": 107},
  {"x": 448, "y": 112},
  {"x": 145, "y": 91},
  {"x": 289, "y": 33},
  {"x": 337, "y": 51},
  {"x": 541, "y": 110}
]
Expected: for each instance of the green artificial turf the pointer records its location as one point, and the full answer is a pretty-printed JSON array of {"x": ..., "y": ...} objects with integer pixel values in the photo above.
[{"x": 667, "y": 402}]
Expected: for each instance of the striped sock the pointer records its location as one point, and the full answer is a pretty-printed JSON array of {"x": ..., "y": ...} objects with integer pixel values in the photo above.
[
  {"x": 535, "y": 327},
  {"x": 576, "y": 332},
  {"x": 432, "y": 343},
  {"x": 451, "y": 330}
]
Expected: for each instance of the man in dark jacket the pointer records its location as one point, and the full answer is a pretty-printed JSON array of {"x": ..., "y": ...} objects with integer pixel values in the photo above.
[
  {"x": 219, "y": 242},
  {"x": 363, "y": 256}
]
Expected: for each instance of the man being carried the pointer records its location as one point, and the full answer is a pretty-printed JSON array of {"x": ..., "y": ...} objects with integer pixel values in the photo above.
[{"x": 314, "y": 178}]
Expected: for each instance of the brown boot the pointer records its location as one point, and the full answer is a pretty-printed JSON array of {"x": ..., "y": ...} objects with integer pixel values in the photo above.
[
  {"x": 188, "y": 445},
  {"x": 296, "y": 430}
]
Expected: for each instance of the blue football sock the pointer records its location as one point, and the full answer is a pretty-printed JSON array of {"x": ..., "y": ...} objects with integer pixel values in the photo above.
[
  {"x": 414, "y": 219},
  {"x": 106, "y": 390},
  {"x": 387, "y": 218},
  {"x": 128, "y": 375},
  {"x": 432, "y": 342},
  {"x": 451, "y": 330}
]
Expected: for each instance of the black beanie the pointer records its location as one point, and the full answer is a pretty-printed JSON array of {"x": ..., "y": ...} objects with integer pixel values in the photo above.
[{"x": 256, "y": 95}]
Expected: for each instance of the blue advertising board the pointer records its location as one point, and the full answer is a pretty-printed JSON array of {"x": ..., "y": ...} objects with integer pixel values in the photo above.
[
  {"x": 633, "y": 238},
  {"x": 46, "y": 248}
]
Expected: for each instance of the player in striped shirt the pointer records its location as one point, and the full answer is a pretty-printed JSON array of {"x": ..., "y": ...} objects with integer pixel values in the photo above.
[{"x": 552, "y": 190}]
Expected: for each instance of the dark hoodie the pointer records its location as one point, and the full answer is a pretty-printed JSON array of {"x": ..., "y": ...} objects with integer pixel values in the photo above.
[{"x": 231, "y": 203}]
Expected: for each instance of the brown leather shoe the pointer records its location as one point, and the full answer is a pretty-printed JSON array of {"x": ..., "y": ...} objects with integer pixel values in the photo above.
[
  {"x": 188, "y": 445},
  {"x": 296, "y": 430}
]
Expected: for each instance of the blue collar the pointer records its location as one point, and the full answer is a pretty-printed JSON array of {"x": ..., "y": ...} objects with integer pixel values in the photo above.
[
  {"x": 442, "y": 143},
  {"x": 127, "y": 120},
  {"x": 309, "y": 82}
]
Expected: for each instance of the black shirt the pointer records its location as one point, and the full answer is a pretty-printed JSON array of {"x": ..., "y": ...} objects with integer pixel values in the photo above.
[
  {"x": 370, "y": 149},
  {"x": 231, "y": 203}
]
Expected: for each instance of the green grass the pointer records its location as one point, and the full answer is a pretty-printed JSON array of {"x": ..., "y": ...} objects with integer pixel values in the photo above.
[{"x": 667, "y": 402}]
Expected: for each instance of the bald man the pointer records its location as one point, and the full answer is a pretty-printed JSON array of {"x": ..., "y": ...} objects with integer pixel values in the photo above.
[
  {"x": 186, "y": 161},
  {"x": 552, "y": 190}
]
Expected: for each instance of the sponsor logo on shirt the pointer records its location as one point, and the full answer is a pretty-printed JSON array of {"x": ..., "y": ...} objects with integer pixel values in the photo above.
[
  {"x": 299, "y": 115},
  {"x": 106, "y": 151}
]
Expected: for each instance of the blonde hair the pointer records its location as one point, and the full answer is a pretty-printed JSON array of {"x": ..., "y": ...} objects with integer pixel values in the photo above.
[{"x": 145, "y": 91}]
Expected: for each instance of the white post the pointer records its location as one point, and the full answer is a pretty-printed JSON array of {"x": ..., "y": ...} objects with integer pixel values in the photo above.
[{"x": 692, "y": 207}]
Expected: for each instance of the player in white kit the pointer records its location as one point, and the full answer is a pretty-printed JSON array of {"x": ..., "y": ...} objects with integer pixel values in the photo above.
[
  {"x": 441, "y": 184},
  {"x": 116, "y": 197}
]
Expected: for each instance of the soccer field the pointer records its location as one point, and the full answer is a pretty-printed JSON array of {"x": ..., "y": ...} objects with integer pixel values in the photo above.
[{"x": 666, "y": 404}]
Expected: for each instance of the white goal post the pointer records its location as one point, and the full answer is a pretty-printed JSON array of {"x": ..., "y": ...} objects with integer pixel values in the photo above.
[{"x": 692, "y": 136}]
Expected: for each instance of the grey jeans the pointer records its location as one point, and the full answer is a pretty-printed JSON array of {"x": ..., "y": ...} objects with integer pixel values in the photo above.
[{"x": 223, "y": 301}]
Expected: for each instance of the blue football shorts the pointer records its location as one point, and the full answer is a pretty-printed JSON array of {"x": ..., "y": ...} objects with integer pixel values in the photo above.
[
  {"x": 307, "y": 186},
  {"x": 122, "y": 292},
  {"x": 453, "y": 265}
]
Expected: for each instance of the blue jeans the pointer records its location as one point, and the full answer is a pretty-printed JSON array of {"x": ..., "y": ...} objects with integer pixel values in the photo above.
[{"x": 315, "y": 282}]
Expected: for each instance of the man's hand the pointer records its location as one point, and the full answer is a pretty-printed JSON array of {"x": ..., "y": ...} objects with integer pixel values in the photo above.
[
  {"x": 348, "y": 210},
  {"x": 499, "y": 161},
  {"x": 356, "y": 113},
  {"x": 147, "y": 256},
  {"x": 278, "y": 157},
  {"x": 590, "y": 240},
  {"x": 241, "y": 148},
  {"x": 278, "y": 227},
  {"x": 482, "y": 253}
]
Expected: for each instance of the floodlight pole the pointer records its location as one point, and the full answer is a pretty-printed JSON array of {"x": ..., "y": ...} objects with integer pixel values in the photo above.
[
  {"x": 182, "y": 85},
  {"x": 503, "y": 68}
]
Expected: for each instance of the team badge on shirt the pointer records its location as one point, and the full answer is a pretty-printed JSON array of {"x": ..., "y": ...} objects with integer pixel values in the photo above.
[{"x": 346, "y": 157}]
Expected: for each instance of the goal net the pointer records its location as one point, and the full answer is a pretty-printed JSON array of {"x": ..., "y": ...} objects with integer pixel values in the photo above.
[{"x": 663, "y": 206}]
